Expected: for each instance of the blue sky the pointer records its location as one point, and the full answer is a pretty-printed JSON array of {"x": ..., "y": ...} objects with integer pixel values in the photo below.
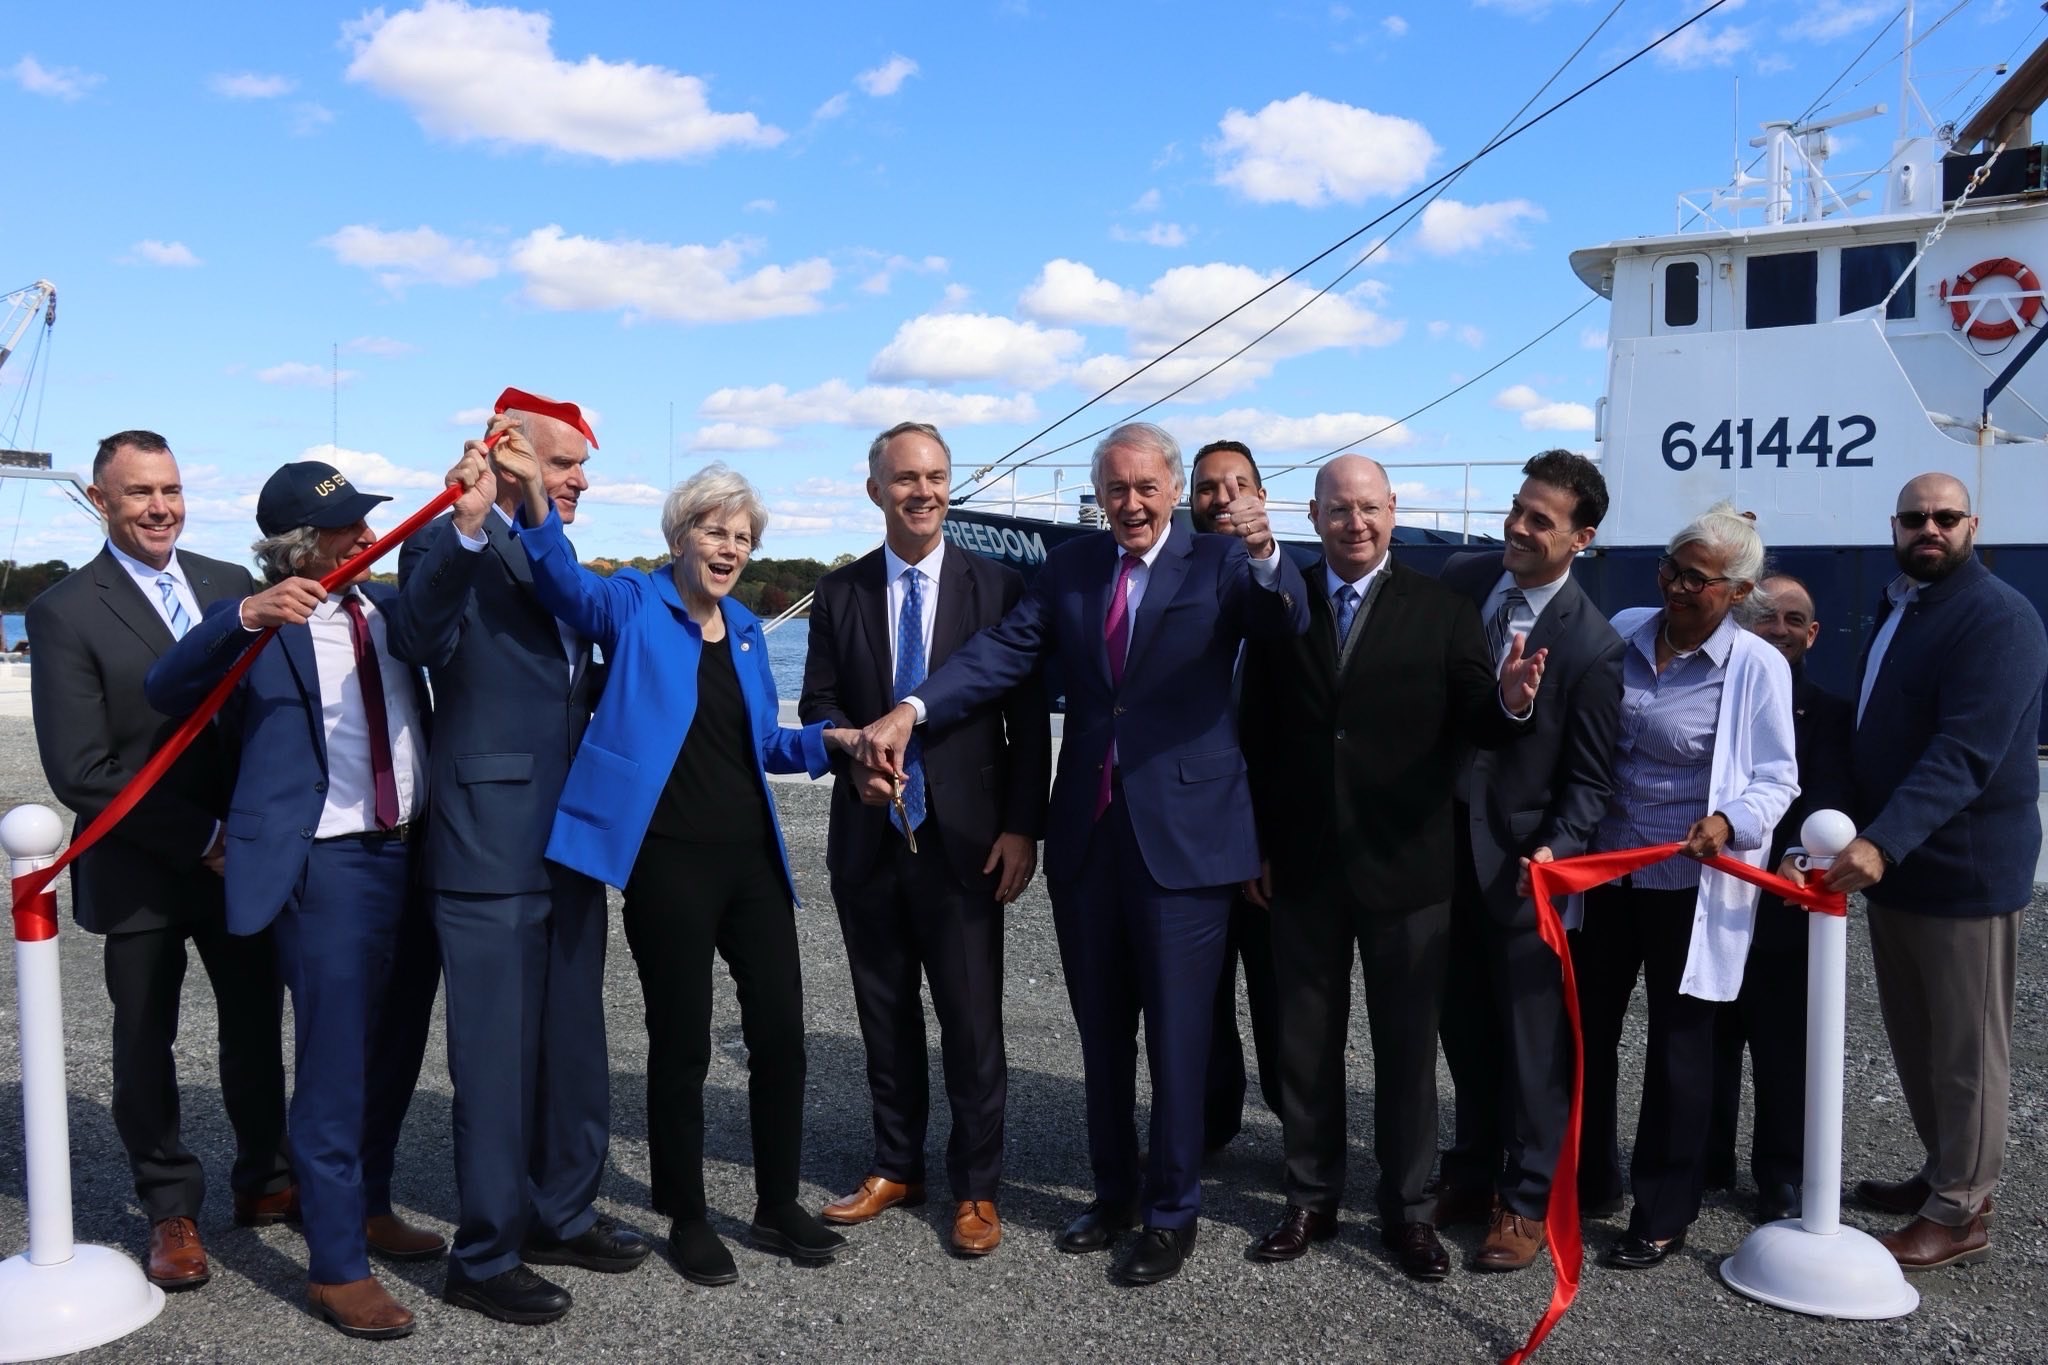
[{"x": 800, "y": 224}]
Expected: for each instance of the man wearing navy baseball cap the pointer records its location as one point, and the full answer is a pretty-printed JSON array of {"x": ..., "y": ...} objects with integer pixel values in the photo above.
[{"x": 321, "y": 832}]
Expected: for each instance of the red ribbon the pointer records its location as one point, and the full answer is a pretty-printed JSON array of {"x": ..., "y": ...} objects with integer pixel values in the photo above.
[
  {"x": 1562, "y": 878},
  {"x": 32, "y": 887},
  {"x": 545, "y": 407}
]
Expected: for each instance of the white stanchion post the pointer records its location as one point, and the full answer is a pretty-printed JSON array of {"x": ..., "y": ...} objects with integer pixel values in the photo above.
[
  {"x": 58, "y": 1297},
  {"x": 1812, "y": 1264}
]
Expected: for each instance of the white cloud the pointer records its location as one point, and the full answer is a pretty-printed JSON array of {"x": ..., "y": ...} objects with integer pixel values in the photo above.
[
  {"x": 1148, "y": 202},
  {"x": 1542, "y": 414},
  {"x": 1450, "y": 228},
  {"x": 1395, "y": 26},
  {"x": 1271, "y": 431},
  {"x": 758, "y": 206},
  {"x": 415, "y": 256},
  {"x": 58, "y": 82},
  {"x": 247, "y": 85},
  {"x": 375, "y": 473},
  {"x": 1155, "y": 234},
  {"x": 1465, "y": 332},
  {"x": 733, "y": 436},
  {"x": 1823, "y": 21},
  {"x": 625, "y": 494},
  {"x": 880, "y": 281},
  {"x": 833, "y": 107},
  {"x": 954, "y": 348},
  {"x": 836, "y": 403},
  {"x": 1524, "y": 9},
  {"x": 887, "y": 78},
  {"x": 149, "y": 251},
  {"x": 1068, "y": 291},
  {"x": 954, "y": 295},
  {"x": 472, "y": 417},
  {"x": 1308, "y": 151},
  {"x": 818, "y": 506},
  {"x": 299, "y": 375},
  {"x": 380, "y": 346},
  {"x": 471, "y": 72},
  {"x": 686, "y": 283},
  {"x": 309, "y": 118},
  {"x": 1593, "y": 338},
  {"x": 1700, "y": 46}
]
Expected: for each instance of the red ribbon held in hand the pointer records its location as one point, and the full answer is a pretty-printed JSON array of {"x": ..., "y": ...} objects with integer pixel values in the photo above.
[
  {"x": 1565, "y": 877},
  {"x": 545, "y": 407}
]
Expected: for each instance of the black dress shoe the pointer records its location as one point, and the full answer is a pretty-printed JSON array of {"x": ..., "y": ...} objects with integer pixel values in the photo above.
[
  {"x": 1156, "y": 1255},
  {"x": 1416, "y": 1248},
  {"x": 1640, "y": 1253},
  {"x": 518, "y": 1295},
  {"x": 788, "y": 1231},
  {"x": 1096, "y": 1228},
  {"x": 604, "y": 1246},
  {"x": 1775, "y": 1203},
  {"x": 1289, "y": 1240},
  {"x": 699, "y": 1253}
]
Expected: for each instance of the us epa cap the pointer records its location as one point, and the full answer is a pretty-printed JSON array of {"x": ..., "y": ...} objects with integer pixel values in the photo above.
[{"x": 311, "y": 493}]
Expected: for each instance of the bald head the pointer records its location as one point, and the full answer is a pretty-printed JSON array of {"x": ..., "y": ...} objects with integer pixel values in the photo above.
[
  {"x": 1353, "y": 513},
  {"x": 1933, "y": 531},
  {"x": 1353, "y": 473},
  {"x": 562, "y": 450},
  {"x": 1934, "y": 491}
]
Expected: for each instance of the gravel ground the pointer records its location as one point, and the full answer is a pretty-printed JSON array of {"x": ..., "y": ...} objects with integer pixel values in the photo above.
[{"x": 897, "y": 1296}]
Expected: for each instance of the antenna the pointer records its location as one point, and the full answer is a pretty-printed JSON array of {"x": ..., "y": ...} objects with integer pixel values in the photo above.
[
  {"x": 1735, "y": 131},
  {"x": 334, "y": 373},
  {"x": 671, "y": 443},
  {"x": 1906, "y": 78}
]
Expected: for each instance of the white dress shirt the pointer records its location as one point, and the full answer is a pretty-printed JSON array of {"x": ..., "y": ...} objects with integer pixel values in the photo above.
[
  {"x": 896, "y": 566},
  {"x": 1334, "y": 583},
  {"x": 146, "y": 577},
  {"x": 1903, "y": 592},
  {"x": 1523, "y": 620},
  {"x": 351, "y": 791}
]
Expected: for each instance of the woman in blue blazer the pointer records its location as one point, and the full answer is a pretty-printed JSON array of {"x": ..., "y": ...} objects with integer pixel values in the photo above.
[{"x": 668, "y": 799}]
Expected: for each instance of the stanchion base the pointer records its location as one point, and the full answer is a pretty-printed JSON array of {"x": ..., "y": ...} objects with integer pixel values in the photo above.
[
  {"x": 97, "y": 1296},
  {"x": 1846, "y": 1275}
]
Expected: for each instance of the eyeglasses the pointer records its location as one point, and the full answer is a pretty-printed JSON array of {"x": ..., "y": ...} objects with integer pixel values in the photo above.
[
  {"x": 718, "y": 538},
  {"x": 1685, "y": 580},
  {"x": 1947, "y": 519}
]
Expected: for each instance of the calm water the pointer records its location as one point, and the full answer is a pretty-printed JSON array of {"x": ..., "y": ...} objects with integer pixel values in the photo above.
[{"x": 16, "y": 628}]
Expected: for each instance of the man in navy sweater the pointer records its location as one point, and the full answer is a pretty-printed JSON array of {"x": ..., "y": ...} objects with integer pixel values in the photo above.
[{"x": 1948, "y": 709}]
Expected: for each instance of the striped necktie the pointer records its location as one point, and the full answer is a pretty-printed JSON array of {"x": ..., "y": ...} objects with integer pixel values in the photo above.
[
  {"x": 174, "y": 610},
  {"x": 910, "y": 671},
  {"x": 1502, "y": 627}
]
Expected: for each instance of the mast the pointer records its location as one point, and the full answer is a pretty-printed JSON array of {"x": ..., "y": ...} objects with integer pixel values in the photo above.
[{"x": 1906, "y": 80}]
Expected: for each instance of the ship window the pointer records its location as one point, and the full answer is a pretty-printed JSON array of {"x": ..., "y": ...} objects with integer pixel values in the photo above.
[
  {"x": 1867, "y": 271},
  {"x": 1681, "y": 293},
  {"x": 1783, "y": 289}
]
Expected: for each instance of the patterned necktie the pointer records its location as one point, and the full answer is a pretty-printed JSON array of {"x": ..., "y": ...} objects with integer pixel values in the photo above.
[
  {"x": 174, "y": 610},
  {"x": 910, "y": 671},
  {"x": 370, "y": 678},
  {"x": 1347, "y": 612},
  {"x": 1501, "y": 628},
  {"x": 1116, "y": 634}
]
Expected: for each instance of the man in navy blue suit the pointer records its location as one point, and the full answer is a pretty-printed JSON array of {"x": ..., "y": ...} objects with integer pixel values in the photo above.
[
  {"x": 329, "y": 794},
  {"x": 1150, "y": 832},
  {"x": 522, "y": 939}
]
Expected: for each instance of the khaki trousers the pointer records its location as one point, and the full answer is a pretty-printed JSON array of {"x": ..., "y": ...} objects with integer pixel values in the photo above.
[{"x": 1945, "y": 986}]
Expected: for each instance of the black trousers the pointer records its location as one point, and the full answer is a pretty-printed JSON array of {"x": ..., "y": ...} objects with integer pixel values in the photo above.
[
  {"x": 1629, "y": 930},
  {"x": 1508, "y": 1046},
  {"x": 1403, "y": 955},
  {"x": 910, "y": 919},
  {"x": 1251, "y": 938},
  {"x": 145, "y": 975},
  {"x": 1769, "y": 1018},
  {"x": 685, "y": 902}
]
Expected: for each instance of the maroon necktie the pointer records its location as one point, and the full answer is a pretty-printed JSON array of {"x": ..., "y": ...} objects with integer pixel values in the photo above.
[
  {"x": 370, "y": 677},
  {"x": 1116, "y": 632}
]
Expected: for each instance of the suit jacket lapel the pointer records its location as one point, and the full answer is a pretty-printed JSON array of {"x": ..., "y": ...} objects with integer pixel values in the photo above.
[
  {"x": 297, "y": 644},
  {"x": 204, "y": 590},
  {"x": 507, "y": 546},
  {"x": 871, "y": 612},
  {"x": 1379, "y": 602},
  {"x": 124, "y": 598},
  {"x": 1162, "y": 585},
  {"x": 1568, "y": 602},
  {"x": 956, "y": 587}
]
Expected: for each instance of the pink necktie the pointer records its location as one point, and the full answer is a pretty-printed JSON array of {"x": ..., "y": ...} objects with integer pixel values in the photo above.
[{"x": 1116, "y": 631}]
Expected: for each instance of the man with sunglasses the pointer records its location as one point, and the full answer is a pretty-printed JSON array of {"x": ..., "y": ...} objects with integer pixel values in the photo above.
[{"x": 1944, "y": 784}]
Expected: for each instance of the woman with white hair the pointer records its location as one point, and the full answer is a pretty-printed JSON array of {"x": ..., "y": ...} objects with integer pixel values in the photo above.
[
  {"x": 1704, "y": 758},
  {"x": 668, "y": 800}
]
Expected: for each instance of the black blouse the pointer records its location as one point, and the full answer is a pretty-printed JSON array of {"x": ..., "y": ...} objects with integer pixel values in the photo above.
[{"x": 714, "y": 794}]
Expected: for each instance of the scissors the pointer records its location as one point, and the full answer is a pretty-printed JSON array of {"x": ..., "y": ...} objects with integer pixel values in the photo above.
[{"x": 896, "y": 799}]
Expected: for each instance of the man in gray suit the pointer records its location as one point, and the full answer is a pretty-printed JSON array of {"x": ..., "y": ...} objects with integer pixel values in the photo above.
[
  {"x": 522, "y": 940},
  {"x": 154, "y": 883},
  {"x": 1503, "y": 1019}
]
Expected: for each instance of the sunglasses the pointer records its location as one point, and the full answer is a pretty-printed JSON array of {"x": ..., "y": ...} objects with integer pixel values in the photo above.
[
  {"x": 1947, "y": 519},
  {"x": 1685, "y": 580}
]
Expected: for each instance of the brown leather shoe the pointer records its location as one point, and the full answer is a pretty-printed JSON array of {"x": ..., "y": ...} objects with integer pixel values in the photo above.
[
  {"x": 873, "y": 1197},
  {"x": 1512, "y": 1241},
  {"x": 177, "y": 1260},
  {"x": 263, "y": 1210},
  {"x": 1457, "y": 1204},
  {"x": 397, "y": 1240},
  {"x": 976, "y": 1229},
  {"x": 361, "y": 1308},
  {"x": 1924, "y": 1245},
  {"x": 1907, "y": 1197},
  {"x": 1289, "y": 1240}
]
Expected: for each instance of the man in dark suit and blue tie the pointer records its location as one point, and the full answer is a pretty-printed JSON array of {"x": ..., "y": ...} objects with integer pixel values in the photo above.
[
  {"x": 153, "y": 885},
  {"x": 522, "y": 939},
  {"x": 330, "y": 792},
  {"x": 1149, "y": 832},
  {"x": 974, "y": 800}
]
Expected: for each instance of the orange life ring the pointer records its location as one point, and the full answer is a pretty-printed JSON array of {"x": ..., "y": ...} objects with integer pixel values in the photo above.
[{"x": 1983, "y": 329}]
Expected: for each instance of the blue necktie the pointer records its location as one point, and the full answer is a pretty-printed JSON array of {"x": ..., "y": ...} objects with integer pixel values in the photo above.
[
  {"x": 173, "y": 608},
  {"x": 1347, "y": 612},
  {"x": 909, "y": 673}
]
